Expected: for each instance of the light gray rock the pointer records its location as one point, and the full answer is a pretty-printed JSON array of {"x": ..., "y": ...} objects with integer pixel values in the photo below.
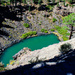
[
  {"x": 24, "y": 50},
  {"x": 45, "y": 53}
]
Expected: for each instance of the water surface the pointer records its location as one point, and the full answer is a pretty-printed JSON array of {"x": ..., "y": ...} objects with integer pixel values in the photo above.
[{"x": 33, "y": 43}]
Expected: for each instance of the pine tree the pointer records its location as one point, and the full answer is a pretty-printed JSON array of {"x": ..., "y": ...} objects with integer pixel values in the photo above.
[{"x": 70, "y": 20}]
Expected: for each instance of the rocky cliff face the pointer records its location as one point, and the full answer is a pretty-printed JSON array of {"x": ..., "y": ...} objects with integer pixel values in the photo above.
[{"x": 45, "y": 53}]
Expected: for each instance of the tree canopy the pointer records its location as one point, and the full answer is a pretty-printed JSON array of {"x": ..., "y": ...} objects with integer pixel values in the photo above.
[{"x": 70, "y": 19}]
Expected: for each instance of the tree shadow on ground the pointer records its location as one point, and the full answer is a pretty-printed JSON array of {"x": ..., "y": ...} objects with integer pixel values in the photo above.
[
  {"x": 6, "y": 26},
  {"x": 4, "y": 33},
  {"x": 31, "y": 8},
  {"x": 64, "y": 66},
  {"x": 42, "y": 8},
  {"x": 52, "y": 3},
  {"x": 6, "y": 13},
  {"x": 22, "y": 9},
  {"x": 36, "y": 2},
  {"x": 73, "y": 2}
]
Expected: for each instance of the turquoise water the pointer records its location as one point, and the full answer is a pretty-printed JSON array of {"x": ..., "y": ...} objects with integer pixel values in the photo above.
[{"x": 33, "y": 43}]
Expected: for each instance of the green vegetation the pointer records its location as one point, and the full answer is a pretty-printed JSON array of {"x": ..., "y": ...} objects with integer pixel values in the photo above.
[
  {"x": 69, "y": 20},
  {"x": 48, "y": 0},
  {"x": 1, "y": 67},
  {"x": 53, "y": 1},
  {"x": 65, "y": 48},
  {"x": 65, "y": 37},
  {"x": 63, "y": 31},
  {"x": 40, "y": 22},
  {"x": 71, "y": 5},
  {"x": 50, "y": 7},
  {"x": 5, "y": 2},
  {"x": 44, "y": 30},
  {"x": 24, "y": 2},
  {"x": 29, "y": 8},
  {"x": 26, "y": 25},
  {"x": 64, "y": 2},
  {"x": 39, "y": 1},
  {"x": 58, "y": 4},
  {"x": 35, "y": 18},
  {"x": 52, "y": 29},
  {"x": 66, "y": 5},
  {"x": 54, "y": 19},
  {"x": 28, "y": 34},
  {"x": 57, "y": 27},
  {"x": 70, "y": 1}
]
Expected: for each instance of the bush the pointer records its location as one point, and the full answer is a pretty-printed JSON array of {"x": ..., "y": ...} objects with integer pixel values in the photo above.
[
  {"x": 58, "y": 4},
  {"x": 65, "y": 38},
  {"x": 71, "y": 5},
  {"x": 44, "y": 30},
  {"x": 50, "y": 7},
  {"x": 66, "y": 5},
  {"x": 34, "y": 32},
  {"x": 63, "y": 31},
  {"x": 54, "y": 19},
  {"x": 39, "y": 23},
  {"x": 70, "y": 1},
  {"x": 1, "y": 67},
  {"x": 26, "y": 25},
  {"x": 52, "y": 30},
  {"x": 53, "y": 1},
  {"x": 48, "y": 0},
  {"x": 31, "y": 33},
  {"x": 65, "y": 48},
  {"x": 24, "y": 35},
  {"x": 57, "y": 27},
  {"x": 28, "y": 34},
  {"x": 64, "y": 2}
]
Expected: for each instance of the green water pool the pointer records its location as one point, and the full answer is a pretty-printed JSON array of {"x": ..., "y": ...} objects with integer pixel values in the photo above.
[{"x": 33, "y": 43}]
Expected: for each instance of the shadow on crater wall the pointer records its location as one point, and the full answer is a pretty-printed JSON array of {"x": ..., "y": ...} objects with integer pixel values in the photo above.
[{"x": 65, "y": 65}]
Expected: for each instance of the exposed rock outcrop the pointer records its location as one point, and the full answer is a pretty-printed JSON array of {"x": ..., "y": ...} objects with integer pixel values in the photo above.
[
  {"x": 22, "y": 51},
  {"x": 42, "y": 54}
]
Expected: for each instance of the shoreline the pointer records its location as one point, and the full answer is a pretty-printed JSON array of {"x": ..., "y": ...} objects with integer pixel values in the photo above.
[
  {"x": 45, "y": 53},
  {"x": 17, "y": 41}
]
